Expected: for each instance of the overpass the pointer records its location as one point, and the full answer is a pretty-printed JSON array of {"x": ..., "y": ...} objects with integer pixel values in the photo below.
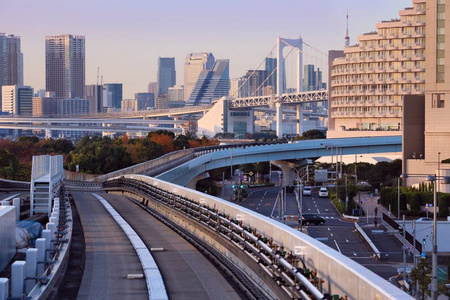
[{"x": 218, "y": 157}]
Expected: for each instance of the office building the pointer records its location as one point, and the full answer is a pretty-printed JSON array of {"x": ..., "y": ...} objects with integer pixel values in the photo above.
[
  {"x": 194, "y": 64},
  {"x": 176, "y": 93},
  {"x": 65, "y": 65},
  {"x": 129, "y": 105},
  {"x": 153, "y": 88},
  {"x": 238, "y": 88},
  {"x": 212, "y": 84},
  {"x": 94, "y": 93},
  {"x": 312, "y": 79},
  {"x": 256, "y": 80},
  {"x": 162, "y": 102},
  {"x": 369, "y": 83},
  {"x": 166, "y": 74},
  {"x": 145, "y": 100},
  {"x": 112, "y": 95},
  {"x": 45, "y": 106},
  {"x": 17, "y": 100},
  {"x": 11, "y": 61}
]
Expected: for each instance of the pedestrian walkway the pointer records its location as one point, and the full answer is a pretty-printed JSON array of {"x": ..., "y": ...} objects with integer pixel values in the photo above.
[{"x": 370, "y": 204}]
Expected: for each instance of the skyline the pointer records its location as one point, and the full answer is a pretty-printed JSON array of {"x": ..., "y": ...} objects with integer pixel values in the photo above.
[{"x": 125, "y": 41}]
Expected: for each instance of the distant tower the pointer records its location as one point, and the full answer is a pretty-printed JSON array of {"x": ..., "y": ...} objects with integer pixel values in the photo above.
[{"x": 347, "y": 38}]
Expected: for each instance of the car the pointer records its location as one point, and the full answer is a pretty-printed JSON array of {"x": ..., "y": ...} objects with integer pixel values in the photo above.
[
  {"x": 307, "y": 219},
  {"x": 424, "y": 219},
  {"x": 307, "y": 191},
  {"x": 323, "y": 192}
]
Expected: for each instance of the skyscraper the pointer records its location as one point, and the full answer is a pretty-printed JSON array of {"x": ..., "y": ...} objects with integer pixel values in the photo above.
[
  {"x": 312, "y": 80},
  {"x": 14, "y": 61},
  {"x": 195, "y": 63},
  {"x": 94, "y": 93},
  {"x": 166, "y": 74},
  {"x": 112, "y": 95},
  {"x": 65, "y": 65},
  {"x": 211, "y": 84},
  {"x": 270, "y": 67},
  {"x": 153, "y": 88}
]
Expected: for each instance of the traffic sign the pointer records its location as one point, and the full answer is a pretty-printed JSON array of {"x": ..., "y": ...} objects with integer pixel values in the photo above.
[{"x": 250, "y": 173}]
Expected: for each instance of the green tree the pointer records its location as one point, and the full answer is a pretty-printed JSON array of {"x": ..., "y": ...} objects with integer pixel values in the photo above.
[
  {"x": 8, "y": 164},
  {"x": 444, "y": 201},
  {"x": 313, "y": 135},
  {"x": 421, "y": 275}
]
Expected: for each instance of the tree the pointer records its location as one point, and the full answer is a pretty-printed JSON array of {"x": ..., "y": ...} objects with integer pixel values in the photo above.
[
  {"x": 313, "y": 134},
  {"x": 421, "y": 275},
  {"x": 166, "y": 141}
]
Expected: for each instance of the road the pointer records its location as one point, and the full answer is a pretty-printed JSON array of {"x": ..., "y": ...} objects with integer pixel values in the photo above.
[{"x": 336, "y": 233}]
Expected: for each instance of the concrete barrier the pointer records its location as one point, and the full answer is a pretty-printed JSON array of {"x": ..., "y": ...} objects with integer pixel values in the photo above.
[{"x": 368, "y": 240}]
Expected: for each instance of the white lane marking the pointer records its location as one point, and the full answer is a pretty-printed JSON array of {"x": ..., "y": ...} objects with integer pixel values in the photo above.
[
  {"x": 257, "y": 208},
  {"x": 331, "y": 234},
  {"x": 318, "y": 211},
  {"x": 328, "y": 228},
  {"x": 346, "y": 240},
  {"x": 339, "y": 249},
  {"x": 314, "y": 202},
  {"x": 354, "y": 253},
  {"x": 309, "y": 208}
]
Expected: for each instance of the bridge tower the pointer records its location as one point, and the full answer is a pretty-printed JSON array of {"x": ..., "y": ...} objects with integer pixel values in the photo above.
[{"x": 281, "y": 44}]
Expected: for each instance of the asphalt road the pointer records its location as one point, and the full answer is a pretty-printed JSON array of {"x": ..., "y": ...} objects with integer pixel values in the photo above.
[{"x": 336, "y": 233}]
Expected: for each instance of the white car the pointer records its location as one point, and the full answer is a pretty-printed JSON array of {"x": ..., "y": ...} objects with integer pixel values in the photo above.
[
  {"x": 323, "y": 192},
  {"x": 307, "y": 191}
]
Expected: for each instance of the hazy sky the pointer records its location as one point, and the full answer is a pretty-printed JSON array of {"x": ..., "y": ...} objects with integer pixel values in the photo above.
[{"x": 125, "y": 37}]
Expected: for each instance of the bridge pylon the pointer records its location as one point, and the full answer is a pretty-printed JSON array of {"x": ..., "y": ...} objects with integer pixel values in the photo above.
[{"x": 281, "y": 44}]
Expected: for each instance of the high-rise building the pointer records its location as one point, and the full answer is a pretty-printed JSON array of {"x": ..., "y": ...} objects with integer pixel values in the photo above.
[
  {"x": 153, "y": 88},
  {"x": 14, "y": 61},
  {"x": 11, "y": 61},
  {"x": 112, "y": 95},
  {"x": 65, "y": 65},
  {"x": 176, "y": 93},
  {"x": 368, "y": 84},
  {"x": 145, "y": 100},
  {"x": 195, "y": 63},
  {"x": 238, "y": 88},
  {"x": 256, "y": 81},
  {"x": 271, "y": 68},
  {"x": 94, "y": 93},
  {"x": 211, "y": 84},
  {"x": 17, "y": 100},
  {"x": 426, "y": 118},
  {"x": 166, "y": 74},
  {"x": 312, "y": 79}
]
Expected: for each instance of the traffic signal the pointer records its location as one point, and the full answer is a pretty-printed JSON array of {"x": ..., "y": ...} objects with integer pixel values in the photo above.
[{"x": 424, "y": 241}]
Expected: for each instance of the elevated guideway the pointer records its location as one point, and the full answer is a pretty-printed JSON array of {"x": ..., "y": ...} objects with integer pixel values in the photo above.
[{"x": 187, "y": 172}]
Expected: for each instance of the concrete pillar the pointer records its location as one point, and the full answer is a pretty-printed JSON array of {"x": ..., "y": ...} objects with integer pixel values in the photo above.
[
  {"x": 16, "y": 203},
  {"x": 288, "y": 175},
  {"x": 52, "y": 228},
  {"x": 4, "y": 288},
  {"x": 31, "y": 269},
  {"x": 279, "y": 119},
  {"x": 300, "y": 67},
  {"x": 280, "y": 67},
  {"x": 46, "y": 234},
  {"x": 40, "y": 246},
  {"x": 17, "y": 278},
  {"x": 300, "y": 119}
]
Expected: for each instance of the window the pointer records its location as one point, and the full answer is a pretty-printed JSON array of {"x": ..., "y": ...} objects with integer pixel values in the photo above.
[{"x": 438, "y": 100}]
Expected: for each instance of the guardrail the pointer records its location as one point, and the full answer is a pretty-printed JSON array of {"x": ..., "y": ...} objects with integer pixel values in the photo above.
[
  {"x": 350, "y": 218},
  {"x": 278, "y": 249},
  {"x": 368, "y": 240},
  {"x": 36, "y": 276}
]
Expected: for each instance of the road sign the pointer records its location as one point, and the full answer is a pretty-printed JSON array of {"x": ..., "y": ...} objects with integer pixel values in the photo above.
[
  {"x": 250, "y": 173},
  {"x": 422, "y": 255},
  {"x": 297, "y": 250}
]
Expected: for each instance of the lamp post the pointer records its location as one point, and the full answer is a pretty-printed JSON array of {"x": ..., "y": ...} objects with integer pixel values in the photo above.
[
  {"x": 398, "y": 198},
  {"x": 446, "y": 180}
]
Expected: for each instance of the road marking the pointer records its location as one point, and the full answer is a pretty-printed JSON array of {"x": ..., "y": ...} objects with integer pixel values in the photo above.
[
  {"x": 316, "y": 206},
  {"x": 346, "y": 240},
  {"x": 328, "y": 228},
  {"x": 318, "y": 211},
  {"x": 339, "y": 249},
  {"x": 309, "y": 208},
  {"x": 257, "y": 208},
  {"x": 354, "y": 253},
  {"x": 314, "y": 202},
  {"x": 331, "y": 234}
]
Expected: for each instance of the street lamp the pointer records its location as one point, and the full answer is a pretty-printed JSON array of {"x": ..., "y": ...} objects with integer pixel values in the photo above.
[{"x": 446, "y": 180}]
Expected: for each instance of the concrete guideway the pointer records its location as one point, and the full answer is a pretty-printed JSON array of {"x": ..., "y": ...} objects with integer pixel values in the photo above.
[
  {"x": 110, "y": 256},
  {"x": 155, "y": 283}
]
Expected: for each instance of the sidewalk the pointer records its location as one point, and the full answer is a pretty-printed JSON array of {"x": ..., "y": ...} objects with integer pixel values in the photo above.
[{"x": 370, "y": 206}]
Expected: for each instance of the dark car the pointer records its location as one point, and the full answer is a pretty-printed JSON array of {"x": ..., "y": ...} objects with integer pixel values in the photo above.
[{"x": 312, "y": 219}]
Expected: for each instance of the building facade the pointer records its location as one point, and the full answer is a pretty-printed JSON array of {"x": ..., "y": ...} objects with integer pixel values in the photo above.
[
  {"x": 368, "y": 84},
  {"x": 176, "y": 93},
  {"x": 312, "y": 79},
  {"x": 145, "y": 100},
  {"x": 17, "y": 100},
  {"x": 212, "y": 84},
  {"x": 65, "y": 65},
  {"x": 153, "y": 88},
  {"x": 94, "y": 93},
  {"x": 167, "y": 76},
  {"x": 194, "y": 64},
  {"x": 112, "y": 95}
]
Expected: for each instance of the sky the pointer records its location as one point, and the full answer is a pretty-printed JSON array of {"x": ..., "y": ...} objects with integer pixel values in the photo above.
[{"x": 124, "y": 38}]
